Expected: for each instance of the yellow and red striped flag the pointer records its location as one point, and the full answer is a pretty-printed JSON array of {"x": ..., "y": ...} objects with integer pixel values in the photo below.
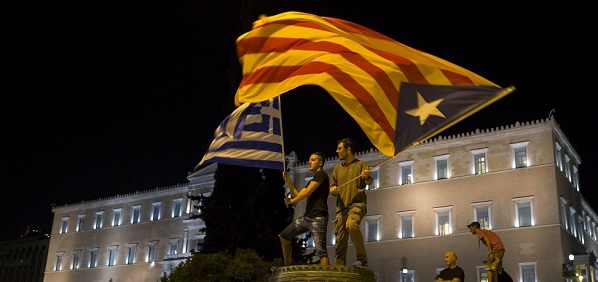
[{"x": 365, "y": 72}]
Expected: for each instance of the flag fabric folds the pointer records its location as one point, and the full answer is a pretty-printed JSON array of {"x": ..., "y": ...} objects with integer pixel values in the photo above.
[
  {"x": 364, "y": 71},
  {"x": 251, "y": 136}
]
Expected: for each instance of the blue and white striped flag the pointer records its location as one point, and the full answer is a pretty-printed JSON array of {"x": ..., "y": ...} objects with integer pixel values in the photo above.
[{"x": 251, "y": 136}]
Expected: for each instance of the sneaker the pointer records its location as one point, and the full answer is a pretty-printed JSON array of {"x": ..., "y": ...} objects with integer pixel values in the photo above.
[{"x": 360, "y": 263}]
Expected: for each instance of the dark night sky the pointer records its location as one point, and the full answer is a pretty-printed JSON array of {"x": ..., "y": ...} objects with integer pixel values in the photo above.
[{"x": 112, "y": 97}]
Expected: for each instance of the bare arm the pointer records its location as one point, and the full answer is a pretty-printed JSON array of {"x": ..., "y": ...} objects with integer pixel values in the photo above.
[{"x": 304, "y": 193}]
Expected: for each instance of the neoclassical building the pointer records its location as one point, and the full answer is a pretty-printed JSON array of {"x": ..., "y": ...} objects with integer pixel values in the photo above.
[
  {"x": 24, "y": 258},
  {"x": 519, "y": 180}
]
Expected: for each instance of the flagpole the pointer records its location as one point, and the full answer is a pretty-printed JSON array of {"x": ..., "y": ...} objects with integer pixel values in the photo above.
[{"x": 284, "y": 161}]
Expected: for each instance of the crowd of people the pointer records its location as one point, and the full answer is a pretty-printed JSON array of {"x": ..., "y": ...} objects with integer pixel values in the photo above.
[{"x": 348, "y": 184}]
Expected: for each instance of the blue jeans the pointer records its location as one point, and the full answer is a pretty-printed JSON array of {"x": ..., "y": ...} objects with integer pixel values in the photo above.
[{"x": 317, "y": 227}]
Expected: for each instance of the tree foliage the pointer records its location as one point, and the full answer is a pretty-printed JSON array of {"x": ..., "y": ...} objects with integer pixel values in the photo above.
[
  {"x": 245, "y": 265},
  {"x": 245, "y": 210}
]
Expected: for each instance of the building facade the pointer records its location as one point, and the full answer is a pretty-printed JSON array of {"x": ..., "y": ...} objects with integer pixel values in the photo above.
[
  {"x": 521, "y": 181},
  {"x": 24, "y": 258}
]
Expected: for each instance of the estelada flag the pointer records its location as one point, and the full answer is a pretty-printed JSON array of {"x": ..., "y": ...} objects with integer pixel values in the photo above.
[{"x": 384, "y": 85}]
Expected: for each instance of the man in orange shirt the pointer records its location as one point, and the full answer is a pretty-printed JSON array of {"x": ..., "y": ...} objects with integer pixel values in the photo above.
[{"x": 496, "y": 250}]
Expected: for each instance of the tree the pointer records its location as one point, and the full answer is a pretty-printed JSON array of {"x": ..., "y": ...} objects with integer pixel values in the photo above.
[
  {"x": 245, "y": 210},
  {"x": 245, "y": 265}
]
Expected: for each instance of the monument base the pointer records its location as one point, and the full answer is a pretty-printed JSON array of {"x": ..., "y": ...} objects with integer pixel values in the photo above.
[{"x": 321, "y": 273}]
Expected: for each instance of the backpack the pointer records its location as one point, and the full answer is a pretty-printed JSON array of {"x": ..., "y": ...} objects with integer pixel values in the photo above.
[{"x": 504, "y": 277}]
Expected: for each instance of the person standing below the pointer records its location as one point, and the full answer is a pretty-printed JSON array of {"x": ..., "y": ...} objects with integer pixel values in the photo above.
[
  {"x": 315, "y": 218},
  {"x": 496, "y": 250},
  {"x": 452, "y": 272},
  {"x": 348, "y": 183}
]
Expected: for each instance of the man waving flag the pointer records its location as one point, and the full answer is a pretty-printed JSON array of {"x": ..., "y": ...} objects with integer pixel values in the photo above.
[{"x": 398, "y": 95}]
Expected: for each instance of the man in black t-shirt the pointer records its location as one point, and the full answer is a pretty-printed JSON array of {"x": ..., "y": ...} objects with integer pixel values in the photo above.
[
  {"x": 315, "y": 218},
  {"x": 453, "y": 272}
]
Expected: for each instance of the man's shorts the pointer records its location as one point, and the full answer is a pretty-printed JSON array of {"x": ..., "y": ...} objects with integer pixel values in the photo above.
[{"x": 496, "y": 264}]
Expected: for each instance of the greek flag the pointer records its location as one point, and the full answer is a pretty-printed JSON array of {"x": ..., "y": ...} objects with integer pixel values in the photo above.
[{"x": 251, "y": 136}]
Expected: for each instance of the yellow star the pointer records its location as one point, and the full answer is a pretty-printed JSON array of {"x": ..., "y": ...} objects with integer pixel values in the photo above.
[{"x": 425, "y": 109}]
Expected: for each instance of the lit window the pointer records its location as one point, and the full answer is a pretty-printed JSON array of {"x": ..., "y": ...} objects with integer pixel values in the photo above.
[
  {"x": 407, "y": 275},
  {"x": 572, "y": 227},
  {"x": 442, "y": 171},
  {"x": 112, "y": 252},
  {"x": 480, "y": 163},
  {"x": 559, "y": 155},
  {"x": 117, "y": 215},
  {"x": 136, "y": 214},
  {"x": 176, "y": 207},
  {"x": 81, "y": 222},
  {"x": 523, "y": 211},
  {"x": 99, "y": 219},
  {"x": 527, "y": 272},
  {"x": 375, "y": 180},
  {"x": 93, "y": 257},
  {"x": 65, "y": 224},
  {"x": 583, "y": 217},
  {"x": 482, "y": 275},
  {"x": 372, "y": 228},
  {"x": 76, "y": 259},
  {"x": 520, "y": 155},
  {"x": 156, "y": 211},
  {"x": 406, "y": 172},
  {"x": 443, "y": 220},
  {"x": 58, "y": 262},
  {"x": 151, "y": 253},
  {"x": 564, "y": 214},
  {"x": 524, "y": 214},
  {"x": 575, "y": 177},
  {"x": 482, "y": 214},
  {"x": 567, "y": 167},
  {"x": 173, "y": 246},
  {"x": 406, "y": 224},
  {"x": 580, "y": 228},
  {"x": 131, "y": 252}
]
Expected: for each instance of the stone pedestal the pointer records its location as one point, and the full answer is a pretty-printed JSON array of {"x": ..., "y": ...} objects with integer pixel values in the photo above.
[{"x": 321, "y": 273}]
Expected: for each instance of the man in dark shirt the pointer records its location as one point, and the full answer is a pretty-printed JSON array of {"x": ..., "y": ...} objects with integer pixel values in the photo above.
[
  {"x": 453, "y": 272},
  {"x": 315, "y": 218}
]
